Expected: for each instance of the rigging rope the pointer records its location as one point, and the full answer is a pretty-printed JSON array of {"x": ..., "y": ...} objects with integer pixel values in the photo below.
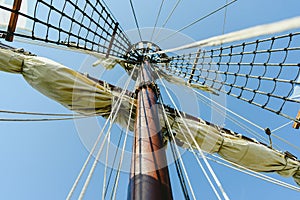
[
  {"x": 135, "y": 19},
  {"x": 115, "y": 107},
  {"x": 168, "y": 18},
  {"x": 254, "y": 173},
  {"x": 198, "y": 20},
  {"x": 201, "y": 166},
  {"x": 287, "y": 142},
  {"x": 43, "y": 119},
  {"x": 96, "y": 29},
  {"x": 224, "y": 22},
  {"x": 91, "y": 172},
  {"x": 75, "y": 116},
  {"x": 119, "y": 102},
  {"x": 256, "y": 31},
  {"x": 179, "y": 170},
  {"x": 157, "y": 17},
  {"x": 254, "y": 71},
  {"x": 178, "y": 152},
  {"x": 230, "y": 111},
  {"x": 111, "y": 13},
  {"x": 115, "y": 186},
  {"x": 282, "y": 126},
  {"x": 246, "y": 120},
  {"x": 37, "y": 113},
  {"x": 113, "y": 164},
  {"x": 249, "y": 130},
  {"x": 106, "y": 162},
  {"x": 221, "y": 111},
  {"x": 177, "y": 156},
  {"x": 88, "y": 159},
  {"x": 196, "y": 144},
  {"x": 132, "y": 105}
]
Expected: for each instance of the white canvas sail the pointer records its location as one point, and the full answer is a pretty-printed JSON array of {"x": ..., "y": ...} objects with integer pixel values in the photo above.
[{"x": 83, "y": 95}]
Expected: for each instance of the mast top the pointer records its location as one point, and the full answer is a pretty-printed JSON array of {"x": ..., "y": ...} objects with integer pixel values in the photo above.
[{"x": 139, "y": 52}]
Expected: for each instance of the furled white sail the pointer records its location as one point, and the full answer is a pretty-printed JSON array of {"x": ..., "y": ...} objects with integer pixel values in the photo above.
[
  {"x": 265, "y": 29},
  {"x": 234, "y": 147},
  {"x": 70, "y": 88},
  {"x": 83, "y": 95}
]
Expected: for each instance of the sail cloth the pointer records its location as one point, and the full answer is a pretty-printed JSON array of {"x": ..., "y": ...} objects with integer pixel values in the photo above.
[
  {"x": 70, "y": 88},
  {"x": 83, "y": 95},
  {"x": 265, "y": 29},
  {"x": 233, "y": 147}
]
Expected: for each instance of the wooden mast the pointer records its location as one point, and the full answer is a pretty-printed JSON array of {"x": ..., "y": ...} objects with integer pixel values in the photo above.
[
  {"x": 149, "y": 178},
  {"x": 13, "y": 20}
]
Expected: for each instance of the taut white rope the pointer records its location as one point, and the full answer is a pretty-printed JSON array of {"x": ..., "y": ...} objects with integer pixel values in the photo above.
[
  {"x": 115, "y": 187},
  {"x": 195, "y": 142},
  {"x": 109, "y": 129},
  {"x": 178, "y": 153},
  {"x": 244, "y": 34},
  {"x": 239, "y": 116},
  {"x": 95, "y": 145},
  {"x": 254, "y": 173},
  {"x": 169, "y": 16}
]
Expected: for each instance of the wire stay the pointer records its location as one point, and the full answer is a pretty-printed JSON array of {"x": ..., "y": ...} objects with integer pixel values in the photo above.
[
  {"x": 114, "y": 112},
  {"x": 176, "y": 156},
  {"x": 157, "y": 17},
  {"x": 167, "y": 19},
  {"x": 197, "y": 146},
  {"x": 254, "y": 71},
  {"x": 135, "y": 19},
  {"x": 196, "y": 21}
]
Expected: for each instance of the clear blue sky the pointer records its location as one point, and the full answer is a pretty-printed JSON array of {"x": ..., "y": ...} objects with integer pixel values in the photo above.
[{"x": 40, "y": 160}]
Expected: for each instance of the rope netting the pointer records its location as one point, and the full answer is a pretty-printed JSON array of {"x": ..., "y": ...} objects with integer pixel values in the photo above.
[
  {"x": 85, "y": 25},
  {"x": 263, "y": 72}
]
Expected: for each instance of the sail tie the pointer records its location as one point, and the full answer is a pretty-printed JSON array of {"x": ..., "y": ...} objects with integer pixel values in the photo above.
[{"x": 268, "y": 132}]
